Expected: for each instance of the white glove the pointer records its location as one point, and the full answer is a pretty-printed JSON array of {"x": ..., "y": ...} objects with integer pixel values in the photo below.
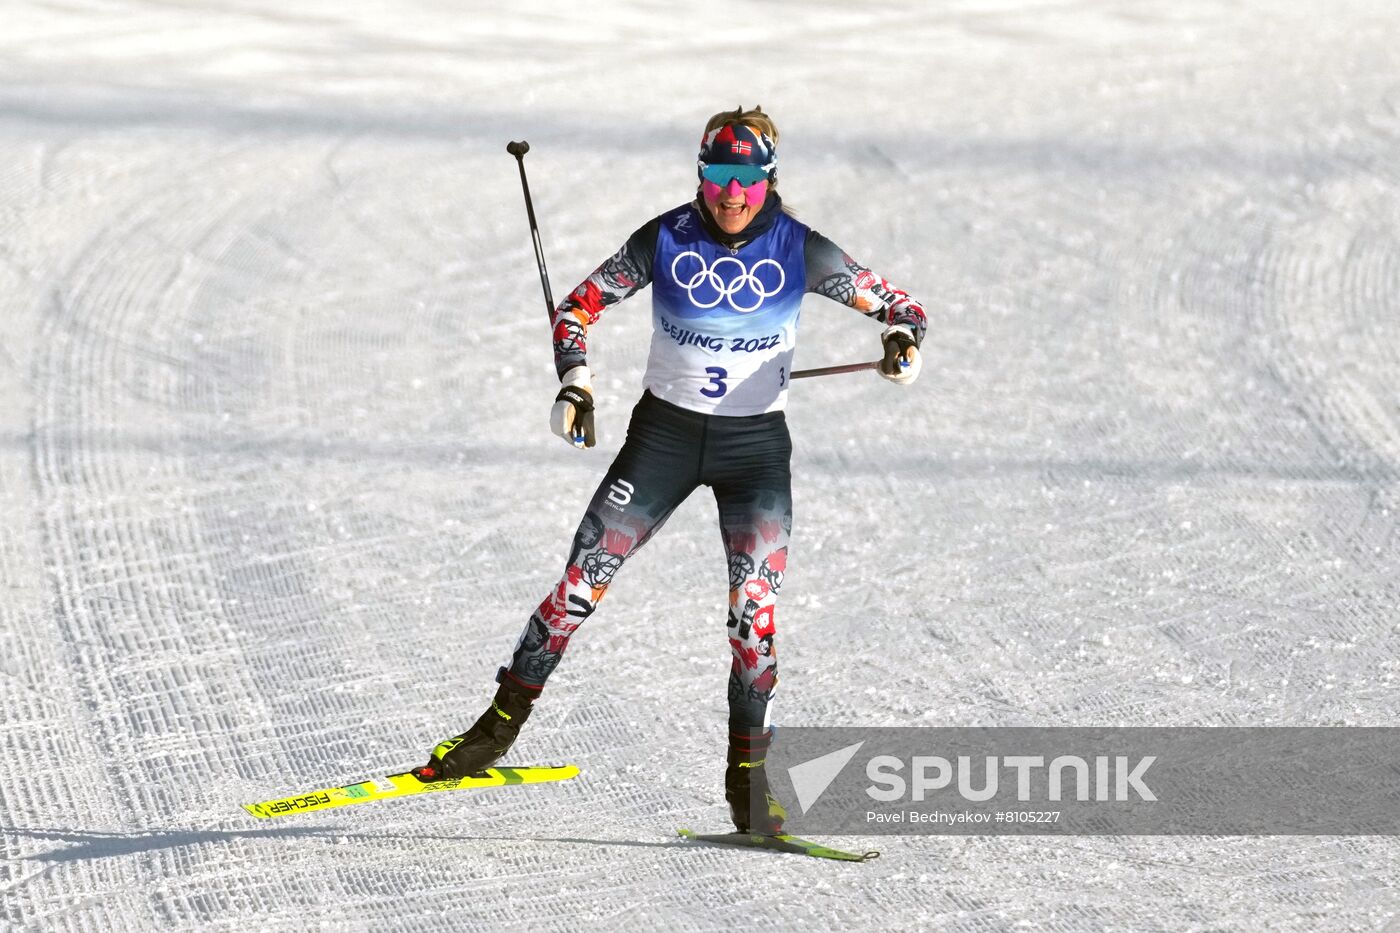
[
  {"x": 572, "y": 415},
  {"x": 902, "y": 360}
]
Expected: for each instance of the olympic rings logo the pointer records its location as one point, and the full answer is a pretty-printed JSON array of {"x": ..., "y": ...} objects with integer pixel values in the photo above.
[{"x": 707, "y": 288}]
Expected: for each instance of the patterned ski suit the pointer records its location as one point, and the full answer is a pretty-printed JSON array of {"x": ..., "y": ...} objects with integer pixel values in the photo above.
[{"x": 724, "y": 332}]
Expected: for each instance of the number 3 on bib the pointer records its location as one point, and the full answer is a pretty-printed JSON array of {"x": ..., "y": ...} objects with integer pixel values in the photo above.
[{"x": 717, "y": 387}]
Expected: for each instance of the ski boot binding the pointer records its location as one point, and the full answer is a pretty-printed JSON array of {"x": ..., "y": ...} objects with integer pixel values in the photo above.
[{"x": 489, "y": 738}]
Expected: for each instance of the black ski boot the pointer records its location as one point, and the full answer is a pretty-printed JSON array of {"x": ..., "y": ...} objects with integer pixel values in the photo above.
[
  {"x": 488, "y": 739},
  {"x": 752, "y": 805}
]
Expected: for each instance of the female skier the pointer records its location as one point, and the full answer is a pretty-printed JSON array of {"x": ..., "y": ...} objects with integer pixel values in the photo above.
[{"x": 728, "y": 271}]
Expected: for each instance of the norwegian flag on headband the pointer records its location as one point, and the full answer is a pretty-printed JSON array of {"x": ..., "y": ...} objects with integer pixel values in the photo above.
[{"x": 737, "y": 144}]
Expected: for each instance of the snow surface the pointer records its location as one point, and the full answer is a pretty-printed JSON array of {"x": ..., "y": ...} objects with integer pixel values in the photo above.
[{"x": 279, "y": 491}]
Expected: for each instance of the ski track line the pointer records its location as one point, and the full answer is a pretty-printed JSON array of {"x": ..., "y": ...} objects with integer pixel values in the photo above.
[
  {"x": 59, "y": 553},
  {"x": 152, "y": 680},
  {"x": 276, "y": 590},
  {"x": 89, "y": 360}
]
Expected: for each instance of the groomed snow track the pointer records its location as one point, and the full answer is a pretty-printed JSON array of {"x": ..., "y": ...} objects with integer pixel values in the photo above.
[{"x": 279, "y": 494}]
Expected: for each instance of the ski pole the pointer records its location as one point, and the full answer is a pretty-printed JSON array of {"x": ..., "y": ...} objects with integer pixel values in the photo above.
[
  {"x": 518, "y": 150},
  {"x": 833, "y": 370}
]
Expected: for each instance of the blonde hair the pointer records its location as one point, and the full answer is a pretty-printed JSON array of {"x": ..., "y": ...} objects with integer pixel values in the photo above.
[{"x": 755, "y": 118}]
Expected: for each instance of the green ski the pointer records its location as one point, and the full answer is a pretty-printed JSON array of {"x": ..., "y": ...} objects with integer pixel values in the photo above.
[{"x": 779, "y": 843}]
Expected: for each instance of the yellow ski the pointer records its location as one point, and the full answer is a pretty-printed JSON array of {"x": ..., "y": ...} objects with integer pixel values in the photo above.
[{"x": 405, "y": 784}]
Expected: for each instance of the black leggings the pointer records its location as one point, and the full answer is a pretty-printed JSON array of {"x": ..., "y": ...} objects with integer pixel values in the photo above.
[{"x": 668, "y": 453}]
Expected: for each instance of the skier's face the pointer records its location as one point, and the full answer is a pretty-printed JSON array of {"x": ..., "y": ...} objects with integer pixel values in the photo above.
[{"x": 733, "y": 206}]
